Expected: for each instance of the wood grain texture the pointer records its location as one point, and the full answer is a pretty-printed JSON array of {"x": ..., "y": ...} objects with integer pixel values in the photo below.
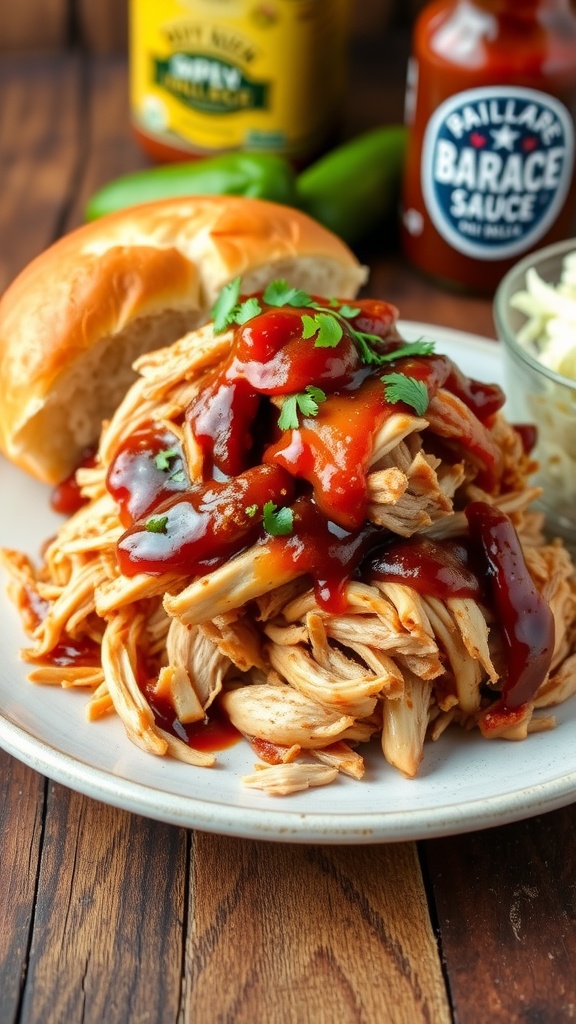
[
  {"x": 40, "y": 151},
  {"x": 107, "y": 944},
  {"x": 111, "y": 919},
  {"x": 290, "y": 934},
  {"x": 110, "y": 148},
  {"x": 506, "y": 904},
  {"x": 34, "y": 25},
  {"x": 420, "y": 298},
  {"x": 21, "y": 822},
  {"x": 102, "y": 27}
]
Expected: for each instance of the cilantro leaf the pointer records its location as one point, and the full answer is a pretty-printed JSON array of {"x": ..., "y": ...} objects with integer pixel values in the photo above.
[
  {"x": 225, "y": 306},
  {"x": 411, "y": 348},
  {"x": 349, "y": 312},
  {"x": 324, "y": 328},
  {"x": 280, "y": 293},
  {"x": 228, "y": 310},
  {"x": 288, "y": 418},
  {"x": 246, "y": 311},
  {"x": 400, "y": 388},
  {"x": 365, "y": 350},
  {"x": 330, "y": 331},
  {"x": 157, "y": 524},
  {"x": 306, "y": 402},
  {"x": 310, "y": 326},
  {"x": 310, "y": 399},
  {"x": 278, "y": 522},
  {"x": 342, "y": 313},
  {"x": 163, "y": 458}
]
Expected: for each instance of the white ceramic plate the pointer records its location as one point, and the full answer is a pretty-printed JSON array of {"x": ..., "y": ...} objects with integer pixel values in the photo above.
[{"x": 465, "y": 783}]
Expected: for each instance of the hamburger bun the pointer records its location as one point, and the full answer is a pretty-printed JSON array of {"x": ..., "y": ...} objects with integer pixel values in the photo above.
[{"x": 74, "y": 321}]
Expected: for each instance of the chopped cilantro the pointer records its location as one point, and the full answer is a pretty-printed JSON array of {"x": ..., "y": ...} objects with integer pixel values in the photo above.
[
  {"x": 310, "y": 399},
  {"x": 164, "y": 461},
  {"x": 278, "y": 522},
  {"x": 349, "y": 312},
  {"x": 247, "y": 310},
  {"x": 225, "y": 305},
  {"x": 411, "y": 348},
  {"x": 401, "y": 388},
  {"x": 157, "y": 524},
  {"x": 288, "y": 418},
  {"x": 251, "y": 510},
  {"x": 280, "y": 293},
  {"x": 306, "y": 401},
  {"x": 324, "y": 328},
  {"x": 228, "y": 310},
  {"x": 163, "y": 458},
  {"x": 325, "y": 325}
]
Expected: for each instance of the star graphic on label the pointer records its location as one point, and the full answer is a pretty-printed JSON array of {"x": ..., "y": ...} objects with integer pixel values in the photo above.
[{"x": 504, "y": 137}]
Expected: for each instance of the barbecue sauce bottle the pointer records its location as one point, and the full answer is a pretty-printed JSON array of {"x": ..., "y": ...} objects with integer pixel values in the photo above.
[{"x": 491, "y": 106}]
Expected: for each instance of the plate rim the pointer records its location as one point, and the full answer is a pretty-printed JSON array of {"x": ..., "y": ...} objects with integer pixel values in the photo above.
[{"x": 284, "y": 825}]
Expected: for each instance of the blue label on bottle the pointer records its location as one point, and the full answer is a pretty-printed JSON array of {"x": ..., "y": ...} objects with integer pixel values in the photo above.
[{"x": 496, "y": 168}]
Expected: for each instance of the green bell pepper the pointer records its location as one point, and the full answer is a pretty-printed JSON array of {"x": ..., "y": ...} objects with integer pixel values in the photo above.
[
  {"x": 260, "y": 175},
  {"x": 355, "y": 188}
]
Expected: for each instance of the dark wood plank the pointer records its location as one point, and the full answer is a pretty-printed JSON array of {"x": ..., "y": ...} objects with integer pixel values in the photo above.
[
  {"x": 34, "y": 25},
  {"x": 421, "y": 298},
  {"x": 108, "y": 929},
  {"x": 506, "y": 905},
  {"x": 102, "y": 27},
  {"x": 376, "y": 77},
  {"x": 21, "y": 823},
  {"x": 40, "y": 151},
  {"x": 291, "y": 934},
  {"x": 111, "y": 149}
]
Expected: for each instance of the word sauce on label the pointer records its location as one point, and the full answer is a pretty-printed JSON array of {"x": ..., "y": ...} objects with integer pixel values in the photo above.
[{"x": 496, "y": 168}]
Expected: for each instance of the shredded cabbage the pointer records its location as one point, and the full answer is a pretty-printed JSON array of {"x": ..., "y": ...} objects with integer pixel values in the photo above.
[{"x": 550, "y": 330}]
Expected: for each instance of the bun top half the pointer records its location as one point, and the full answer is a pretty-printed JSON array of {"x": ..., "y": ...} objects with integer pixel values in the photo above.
[{"x": 74, "y": 321}]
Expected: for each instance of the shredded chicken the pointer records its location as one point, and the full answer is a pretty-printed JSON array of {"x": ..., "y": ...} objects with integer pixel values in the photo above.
[{"x": 304, "y": 684}]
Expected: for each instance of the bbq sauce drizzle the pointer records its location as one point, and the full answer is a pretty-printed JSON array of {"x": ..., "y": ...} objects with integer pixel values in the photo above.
[{"x": 315, "y": 473}]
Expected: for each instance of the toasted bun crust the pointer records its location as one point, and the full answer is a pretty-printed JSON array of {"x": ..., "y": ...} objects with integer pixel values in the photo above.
[{"x": 77, "y": 317}]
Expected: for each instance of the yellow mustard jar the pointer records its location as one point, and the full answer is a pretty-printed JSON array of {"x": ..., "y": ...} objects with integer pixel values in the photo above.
[{"x": 210, "y": 76}]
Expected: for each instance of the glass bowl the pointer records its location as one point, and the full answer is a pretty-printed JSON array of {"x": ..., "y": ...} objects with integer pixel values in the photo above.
[{"x": 540, "y": 395}]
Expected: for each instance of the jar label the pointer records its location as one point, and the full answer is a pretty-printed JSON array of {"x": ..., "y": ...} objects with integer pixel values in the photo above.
[
  {"x": 496, "y": 169},
  {"x": 210, "y": 85},
  {"x": 208, "y": 76}
]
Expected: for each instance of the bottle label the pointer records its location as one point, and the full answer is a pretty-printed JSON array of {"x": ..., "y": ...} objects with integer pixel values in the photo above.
[{"x": 496, "y": 168}]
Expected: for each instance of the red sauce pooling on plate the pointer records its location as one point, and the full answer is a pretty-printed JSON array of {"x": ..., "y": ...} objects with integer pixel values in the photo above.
[
  {"x": 215, "y": 732},
  {"x": 71, "y": 652}
]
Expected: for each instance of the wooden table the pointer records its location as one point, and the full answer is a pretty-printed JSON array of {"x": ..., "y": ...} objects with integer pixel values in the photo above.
[{"x": 111, "y": 918}]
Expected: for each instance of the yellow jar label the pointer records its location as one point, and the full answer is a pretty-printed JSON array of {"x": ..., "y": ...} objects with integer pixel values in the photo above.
[{"x": 212, "y": 75}]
